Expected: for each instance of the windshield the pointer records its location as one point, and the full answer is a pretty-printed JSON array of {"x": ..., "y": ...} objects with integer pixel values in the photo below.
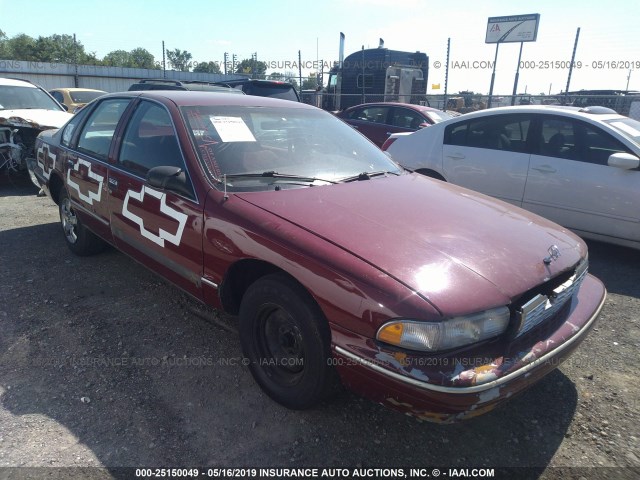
[
  {"x": 15, "y": 98},
  {"x": 311, "y": 145},
  {"x": 628, "y": 127},
  {"x": 84, "y": 97}
]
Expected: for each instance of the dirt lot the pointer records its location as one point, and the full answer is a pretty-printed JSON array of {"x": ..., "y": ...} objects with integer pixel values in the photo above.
[{"x": 103, "y": 364}]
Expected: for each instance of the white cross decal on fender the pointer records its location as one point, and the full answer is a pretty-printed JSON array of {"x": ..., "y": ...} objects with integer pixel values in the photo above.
[
  {"x": 98, "y": 178},
  {"x": 164, "y": 208}
]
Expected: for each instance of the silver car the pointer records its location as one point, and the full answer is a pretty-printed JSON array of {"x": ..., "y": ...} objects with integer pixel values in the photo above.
[{"x": 577, "y": 167}]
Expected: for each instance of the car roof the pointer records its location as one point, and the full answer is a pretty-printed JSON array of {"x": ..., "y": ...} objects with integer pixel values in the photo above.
[
  {"x": 413, "y": 106},
  {"x": 16, "y": 82},
  {"x": 73, "y": 89},
  {"x": 568, "y": 111},
  {"x": 239, "y": 81},
  {"x": 190, "y": 98}
]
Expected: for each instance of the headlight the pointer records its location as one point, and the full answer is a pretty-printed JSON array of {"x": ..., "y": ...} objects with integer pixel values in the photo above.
[{"x": 451, "y": 333}]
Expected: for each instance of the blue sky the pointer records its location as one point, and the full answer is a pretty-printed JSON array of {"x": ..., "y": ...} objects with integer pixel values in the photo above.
[{"x": 277, "y": 30}]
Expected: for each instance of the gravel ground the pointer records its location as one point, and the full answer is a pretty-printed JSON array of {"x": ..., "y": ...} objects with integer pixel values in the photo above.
[{"x": 103, "y": 364}]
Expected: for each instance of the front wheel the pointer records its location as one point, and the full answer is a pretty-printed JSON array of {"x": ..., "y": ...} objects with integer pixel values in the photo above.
[
  {"x": 286, "y": 339},
  {"x": 78, "y": 238}
]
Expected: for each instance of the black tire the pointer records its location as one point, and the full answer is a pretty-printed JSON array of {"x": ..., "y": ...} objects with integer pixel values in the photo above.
[
  {"x": 78, "y": 238},
  {"x": 286, "y": 339}
]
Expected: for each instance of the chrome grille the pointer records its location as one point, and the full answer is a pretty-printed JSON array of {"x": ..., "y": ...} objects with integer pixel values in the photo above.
[{"x": 542, "y": 307}]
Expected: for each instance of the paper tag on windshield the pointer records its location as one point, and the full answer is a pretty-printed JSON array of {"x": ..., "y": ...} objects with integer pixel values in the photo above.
[{"x": 232, "y": 129}]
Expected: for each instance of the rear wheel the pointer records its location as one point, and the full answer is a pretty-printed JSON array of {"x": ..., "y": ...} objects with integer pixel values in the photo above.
[
  {"x": 78, "y": 238},
  {"x": 287, "y": 341}
]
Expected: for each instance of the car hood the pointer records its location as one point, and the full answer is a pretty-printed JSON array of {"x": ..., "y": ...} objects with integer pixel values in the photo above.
[
  {"x": 457, "y": 248},
  {"x": 34, "y": 118}
]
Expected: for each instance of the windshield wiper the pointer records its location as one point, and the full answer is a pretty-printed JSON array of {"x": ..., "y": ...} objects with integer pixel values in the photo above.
[
  {"x": 272, "y": 174},
  {"x": 367, "y": 176}
]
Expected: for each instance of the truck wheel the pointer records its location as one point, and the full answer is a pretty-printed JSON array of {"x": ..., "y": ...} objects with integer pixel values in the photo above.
[
  {"x": 80, "y": 241},
  {"x": 286, "y": 340}
]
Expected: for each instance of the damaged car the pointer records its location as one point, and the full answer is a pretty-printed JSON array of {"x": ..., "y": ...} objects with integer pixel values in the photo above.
[
  {"x": 25, "y": 110},
  {"x": 339, "y": 265}
]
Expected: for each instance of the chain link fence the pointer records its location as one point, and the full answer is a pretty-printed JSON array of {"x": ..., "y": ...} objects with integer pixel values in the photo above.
[{"x": 463, "y": 102}]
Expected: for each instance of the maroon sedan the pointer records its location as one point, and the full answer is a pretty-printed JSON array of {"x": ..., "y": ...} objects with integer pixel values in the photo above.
[
  {"x": 432, "y": 299},
  {"x": 377, "y": 121}
]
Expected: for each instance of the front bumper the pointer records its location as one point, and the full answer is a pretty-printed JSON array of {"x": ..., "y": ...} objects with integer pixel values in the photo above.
[{"x": 463, "y": 384}]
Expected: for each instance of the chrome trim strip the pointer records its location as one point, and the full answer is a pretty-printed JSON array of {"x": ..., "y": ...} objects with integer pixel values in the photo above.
[
  {"x": 476, "y": 388},
  {"x": 209, "y": 282},
  {"x": 85, "y": 210}
]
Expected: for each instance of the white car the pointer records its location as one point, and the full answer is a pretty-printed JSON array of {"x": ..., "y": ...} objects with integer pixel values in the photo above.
[
  {"x": 577, "y": 167},
  {"x": 25, "y": 110}
]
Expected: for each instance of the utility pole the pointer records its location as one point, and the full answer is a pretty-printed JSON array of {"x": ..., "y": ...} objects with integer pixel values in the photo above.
[
  {"x": 300, "y": 72},
  {"x": 164, "y": 62},
  {"x": 75, "y": 61},
  {"x": 515, "y": 82},
  {"x": 573, "y": 57},
  {"x": 225, "y": 62},
  {"x": 493, "y": 75},
  {"x": 233, "y": 63},
  {"x": 254, "y": 64},
  {"x": 446, "y": 76}
]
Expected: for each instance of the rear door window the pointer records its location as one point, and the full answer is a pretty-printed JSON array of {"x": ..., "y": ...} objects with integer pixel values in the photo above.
[
  {"x": 97, "y": 133},
  {"x": 370, "y": 114},
  {"x": 501, "y": 132},
  {"x": 406, "y": 118}
]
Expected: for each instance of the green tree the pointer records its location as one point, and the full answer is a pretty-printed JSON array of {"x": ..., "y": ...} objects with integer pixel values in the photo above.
[
  {"x": 54, "y": 49},
  {"x": 252, "y": 66},
  {"x": 179, "y": 59},
  {"x": 292, "y": 78},
  {"x": 207, "y": 67},
  {"x": 21, "y": 47},
  {"x": 142, "y": 58},
  {"x": 311, "y": 82},
  {"x": 4, "y": 49},
  {"x": 118, "y": 58},
  {"x": 58, "y": 49},
  {"x": 136, "y": 58}
]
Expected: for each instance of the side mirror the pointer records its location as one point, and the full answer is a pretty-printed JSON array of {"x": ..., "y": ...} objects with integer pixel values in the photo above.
[
  {"x": 66, "y": 109},
  {"x": 170, "y": 178},
  {"x": 626, "y": 161},
  {"x": 424, "y": 125}
]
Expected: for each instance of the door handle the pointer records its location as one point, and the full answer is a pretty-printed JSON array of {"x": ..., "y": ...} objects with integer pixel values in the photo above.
[
  {"x": 389, "y": 133},
  {"x": 71, "y": 164},
  {"x": 113, "y": 184},
  {"x": 545, "y": 169},
  {"x": 456, "y": 156}
]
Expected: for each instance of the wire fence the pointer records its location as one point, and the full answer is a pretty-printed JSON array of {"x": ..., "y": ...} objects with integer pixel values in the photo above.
[{"x": 463, "y": 102}]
